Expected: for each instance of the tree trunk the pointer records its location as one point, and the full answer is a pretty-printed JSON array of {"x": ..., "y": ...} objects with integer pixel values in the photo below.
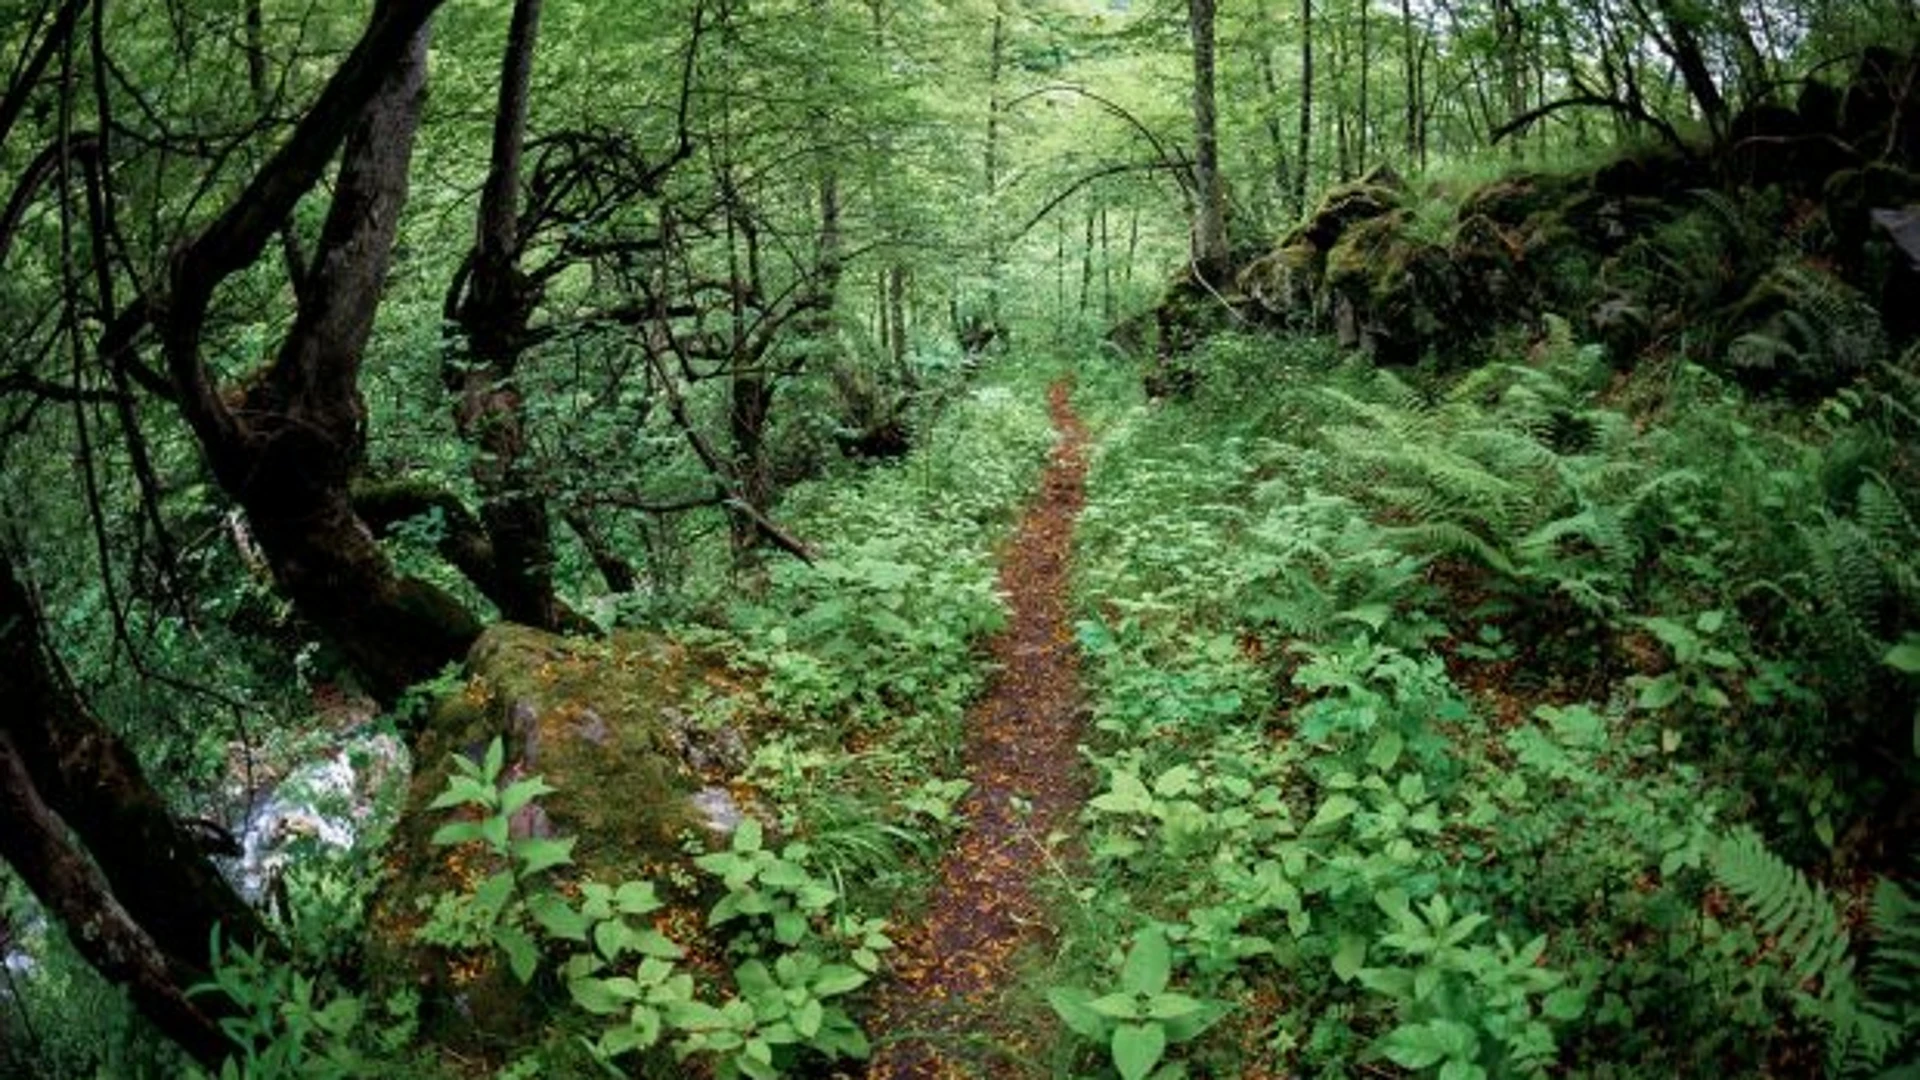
[
  {"x": 1755, "y": 79},
  {"x": 897, "y": 317},
  {"x": 1086, "y": 262},
  {"x": 1507, "y": 28},
  {"x": 1410, "y": 60},
  {"x": 1682, "y": 45},
  {"x": 289, "y": 450},
  {"x": 751, "y": 404},
  {"x": 1211, "y": 257},
  {"x": 1133, "y": 247},
  {"x": 1060, "y": 275},
  {"x": 614, "y": 569},
  {"x": 35, "y": 845},
  {"x": 494, "y": 317},
  {"x": 1302, "y": 156},
  {"x": 996, "y": 66},
  {"x": 1366, "y": 82},
  {"x": 1276, "y": 134},
  {"x": 1106, "y": 269},
  {"x": 147, "y": 915}
]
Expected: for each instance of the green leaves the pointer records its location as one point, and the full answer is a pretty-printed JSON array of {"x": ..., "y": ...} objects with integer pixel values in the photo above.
[
  {"x": 763, "y": 885},
  {"x": 1126, "y": 796},
  {"x": 1141, "y": 1017},
  {"x": 1333, "y": 810},
  {"x": 536, "y": 855},
  {"x": 1148, "y": 965},
  {"x": 1074, "y": 1006},
  {"x": 1904, "y": 657},
  {"x": 506, "y": 907},
  {"x": 1137, "y": 1048},
  {"x": 1421, "y": 1046}
]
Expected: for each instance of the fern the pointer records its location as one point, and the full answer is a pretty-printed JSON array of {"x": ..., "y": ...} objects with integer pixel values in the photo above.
[
  {"x": 1787, "y": 907},
  {"x": 1892, "y": 982},
  {"x": 1819, "y": 327},
  {"x": 1442, "y": 538},
  {"x": 1867, "y": 1020}
]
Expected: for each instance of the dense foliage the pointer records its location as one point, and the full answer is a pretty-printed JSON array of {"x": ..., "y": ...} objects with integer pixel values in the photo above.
[
  {"x": 1457, "y": 694},
  {"x": 1498, "y": 597}
]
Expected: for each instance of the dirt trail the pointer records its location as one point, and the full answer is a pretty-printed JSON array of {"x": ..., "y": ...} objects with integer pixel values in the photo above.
[{"x": 937, "y": 1018}]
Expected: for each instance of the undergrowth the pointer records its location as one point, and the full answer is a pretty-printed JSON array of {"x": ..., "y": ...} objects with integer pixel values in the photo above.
[
  {"x": 1530, "y": 723},
  {"x": 863, "y": 663}
]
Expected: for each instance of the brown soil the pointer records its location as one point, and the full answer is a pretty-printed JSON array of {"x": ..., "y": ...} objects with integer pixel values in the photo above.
[{"x": 938, "y": 1016}]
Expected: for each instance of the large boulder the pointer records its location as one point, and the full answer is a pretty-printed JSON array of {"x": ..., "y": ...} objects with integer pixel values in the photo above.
[
  {"x": 1374, "y": 195},
  {"x": 1394, "y": 295},
  {"x": 1892, "y": 275},
  {"x": 1771, "y": 145},
  {"x": 1801, "y": 331},
  {"x": 1510, "y": 201},
  {"x": 1874, "y": 95},
  {"x": 1284, "y": 285},
  {"x": 615, "y": 726},
  {"x": 1488, "y": 257},
  {"x": 1652, "y": 172},
  {"x": 1852, "y": 195}
]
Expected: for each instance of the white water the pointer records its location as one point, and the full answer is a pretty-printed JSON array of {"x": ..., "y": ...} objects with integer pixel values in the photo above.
[{"x": 326, "y": 803}]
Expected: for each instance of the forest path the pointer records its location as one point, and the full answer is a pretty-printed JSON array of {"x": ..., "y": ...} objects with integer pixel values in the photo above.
[{"x": 938, "y": 1018}]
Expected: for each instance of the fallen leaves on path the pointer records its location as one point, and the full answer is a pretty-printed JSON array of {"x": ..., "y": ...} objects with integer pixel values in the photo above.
[{"x": 934, "y": 1019}]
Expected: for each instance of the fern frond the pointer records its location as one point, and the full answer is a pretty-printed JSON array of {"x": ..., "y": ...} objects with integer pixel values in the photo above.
[
  {"x": 1893, "y": 970},
  {"x": 1788, "y": 907},
  {"x": 1442, "y": 538}
]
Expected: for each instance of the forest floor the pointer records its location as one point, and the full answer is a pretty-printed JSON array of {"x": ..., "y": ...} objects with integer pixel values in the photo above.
[{"x": 939, "y": 1017}]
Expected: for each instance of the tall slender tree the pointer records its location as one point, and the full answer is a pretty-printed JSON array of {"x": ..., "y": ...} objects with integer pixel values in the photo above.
[
  {"x": 1304, "y": 154},
  {"x": 493, "y": 314},
  {"x": 1210, "y": 253}
]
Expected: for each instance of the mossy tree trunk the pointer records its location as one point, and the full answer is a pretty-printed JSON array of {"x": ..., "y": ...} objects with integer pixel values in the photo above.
[
  {"x": 1211, "y": 258},
  {"x": 96, "y": 843},
  {"x": 1301, "y": 157},
  {"x": 493, "y": 316},
  {"x": 287, "y": 446}
]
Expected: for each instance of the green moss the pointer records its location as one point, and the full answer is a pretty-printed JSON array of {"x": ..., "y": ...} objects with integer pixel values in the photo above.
[
  {"x": 1851, "y": 195},
  {"x": 1488, "y": 256},
  {"x": 1402, "y": 295},
  {"x": 1512, "y": 200},
  {"x": 1800, "y": 330},
  {"x": 1347, "y": 206},
  {"x": 1365, "y": 254},
  {"x": 1285, "y": 283},
  {"x": 598, "y": 721}
]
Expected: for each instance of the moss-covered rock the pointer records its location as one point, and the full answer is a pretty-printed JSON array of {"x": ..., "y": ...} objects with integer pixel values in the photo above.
[
  {"x": 1511, "y": 200},
  {"x": 1818, "y": 104},
  {"x": 1488, "y": 257},
  {"x": 1284, "y": 284},
  {"x": 1648, "y": 173},
  {"x": 1189, "y": 312},
  {"x": 612, "y": 725},
  {"x": 1849, "y": 199},
  {"x": 1892, "y": 270},
  {"x": 1560, "y": 266},
  {"x": 1802, "y": 331},
  {"x": 1623, "y": 325},
  {"x": 1394, "y": 295},
  {"x": 1772, "y": 145},
  {"x": 1606, "y": 223},
  {"x": 1873, "y": 93},
  {"x": 1376, "y": 194}
]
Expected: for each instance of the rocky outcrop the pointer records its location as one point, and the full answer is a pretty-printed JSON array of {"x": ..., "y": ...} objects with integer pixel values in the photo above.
[
  {"x": 1768, "y": 251},
  {"x": 616, "y": 727}
]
